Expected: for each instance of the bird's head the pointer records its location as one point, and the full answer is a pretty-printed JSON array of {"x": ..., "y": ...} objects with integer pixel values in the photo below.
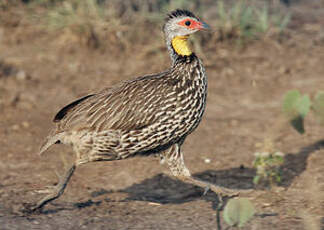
[{"x": 179, "y": 25}]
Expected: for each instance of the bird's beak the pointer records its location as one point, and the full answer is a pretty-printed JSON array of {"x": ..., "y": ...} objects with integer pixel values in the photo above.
[{"x": 204, "y": 26}]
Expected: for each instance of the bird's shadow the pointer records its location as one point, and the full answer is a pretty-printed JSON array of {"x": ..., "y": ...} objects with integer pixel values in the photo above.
[
  {"x": 296, "y": 163},
  {"x": 165, "y": 189}
]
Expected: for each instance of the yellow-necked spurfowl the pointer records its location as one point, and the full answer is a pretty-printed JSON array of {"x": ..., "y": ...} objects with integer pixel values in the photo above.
[{"x": 152, "y": 114}]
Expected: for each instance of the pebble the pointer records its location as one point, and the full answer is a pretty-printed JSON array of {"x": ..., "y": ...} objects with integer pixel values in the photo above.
[
  {"x": 35, "y": 222},
  {"x": 207, "y": 160},
  {"x": 15, "y": 127},
  {"x": 25, "y": 124},
  {"x": 21, "y": 75},
  {"x": 283, "y": 70},
  {"x": 155, "y": 204}
]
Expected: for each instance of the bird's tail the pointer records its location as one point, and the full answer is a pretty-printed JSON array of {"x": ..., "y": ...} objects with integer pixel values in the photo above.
[{"x": 50, "y": 140}]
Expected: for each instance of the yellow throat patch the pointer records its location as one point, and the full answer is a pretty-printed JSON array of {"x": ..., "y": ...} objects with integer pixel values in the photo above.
[{"x": 181, "y": 46}]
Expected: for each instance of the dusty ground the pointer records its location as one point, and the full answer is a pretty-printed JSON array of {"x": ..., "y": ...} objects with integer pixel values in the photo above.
[{"x": 246, "y": 87}]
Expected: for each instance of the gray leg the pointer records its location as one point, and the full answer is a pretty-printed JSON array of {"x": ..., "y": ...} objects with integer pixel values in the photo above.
[
  {"x": 56, "y": 191},
  {"x": 174, "y": 159}
]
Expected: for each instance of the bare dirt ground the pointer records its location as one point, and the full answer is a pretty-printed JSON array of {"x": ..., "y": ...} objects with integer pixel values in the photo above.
[{"x": 246, "y": 87}]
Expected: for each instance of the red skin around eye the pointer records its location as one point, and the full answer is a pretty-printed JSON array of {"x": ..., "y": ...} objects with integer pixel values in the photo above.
[{"x": 193, "y": 25}]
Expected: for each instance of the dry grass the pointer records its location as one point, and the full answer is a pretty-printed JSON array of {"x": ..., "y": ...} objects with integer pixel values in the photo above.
[
  {"x": 102, "y": 24},
  {"x": 244, "y": 21}
]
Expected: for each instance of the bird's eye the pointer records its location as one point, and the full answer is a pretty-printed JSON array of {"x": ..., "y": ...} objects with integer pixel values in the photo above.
[{"x": 187, "y": 23}]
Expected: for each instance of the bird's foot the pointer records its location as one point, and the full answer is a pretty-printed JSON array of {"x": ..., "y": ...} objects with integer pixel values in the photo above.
[
  {"x": 219, "y": 190},
  {"x": 53, "y": 192},
  {"x": 30, "y": 208},
  {"x": 207, "y": 188}
]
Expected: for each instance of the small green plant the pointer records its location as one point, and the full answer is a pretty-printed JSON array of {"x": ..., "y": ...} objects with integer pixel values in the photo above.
[
  {"x": 267, "y": 166},
  {"x": 296, "y": 106},
  {"x": 238, "y": 212}
]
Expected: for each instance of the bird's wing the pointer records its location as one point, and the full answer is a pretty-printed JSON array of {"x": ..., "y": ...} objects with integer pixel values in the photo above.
[{"x": 132, "y": 105}]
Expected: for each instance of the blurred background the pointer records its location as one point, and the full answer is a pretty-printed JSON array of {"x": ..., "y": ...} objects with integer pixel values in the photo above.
[{"x": 54, "y": 51}]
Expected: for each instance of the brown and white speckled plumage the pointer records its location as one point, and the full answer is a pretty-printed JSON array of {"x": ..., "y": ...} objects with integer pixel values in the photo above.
[
  {"x": 150, "y": 114},
  {"x": 147, "y": 114}
]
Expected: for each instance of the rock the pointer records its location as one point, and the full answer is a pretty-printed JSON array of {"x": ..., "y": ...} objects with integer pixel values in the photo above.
[
  {"x": 207, "y": 160},
  {"x": 25, "y": 124},
  {"x": 15, "y": 127},
  {"x": 21, "y": 75}
]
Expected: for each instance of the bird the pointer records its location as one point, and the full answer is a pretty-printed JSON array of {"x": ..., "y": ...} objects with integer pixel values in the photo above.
[{"x": 147, "y": 115}]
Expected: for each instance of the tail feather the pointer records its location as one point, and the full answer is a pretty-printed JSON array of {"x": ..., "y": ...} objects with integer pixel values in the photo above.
[{"x": 50, "y": 140}]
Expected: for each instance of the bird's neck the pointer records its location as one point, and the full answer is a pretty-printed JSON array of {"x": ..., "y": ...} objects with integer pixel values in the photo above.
[
  {"x": 181, "y": 46},
  {"x": 178, "y": 46}
]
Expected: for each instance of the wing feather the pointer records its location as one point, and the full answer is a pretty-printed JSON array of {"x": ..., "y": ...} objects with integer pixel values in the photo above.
[
  {"x": 66, "y": 109},
  {"x": 129, "y": 106}
]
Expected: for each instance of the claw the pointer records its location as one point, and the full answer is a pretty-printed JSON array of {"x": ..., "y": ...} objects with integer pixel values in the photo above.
[
  {"x": 207, "y": 188},
  {"x": 29, "y": 208}
]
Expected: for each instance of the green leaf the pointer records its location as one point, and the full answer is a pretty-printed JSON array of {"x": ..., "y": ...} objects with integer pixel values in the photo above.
[
  {"x": 238, "y": 211},
  {"x": 296, "y": 107},
  {"x": 221, "y": 11},
  {"x": 264, "y": 19},
  {"x": 256, "y": 179},
  {"x": 318, "y": 107},
  {"x": 289, "y": 103},
  {"x": 303, "y": 105},
  {"x": 283, "y": 24}
]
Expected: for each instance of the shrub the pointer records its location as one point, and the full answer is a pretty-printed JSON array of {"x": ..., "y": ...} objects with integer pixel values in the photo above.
[
  {"x": 296, "y": 106},
  {"x": 243, "y": 21}
]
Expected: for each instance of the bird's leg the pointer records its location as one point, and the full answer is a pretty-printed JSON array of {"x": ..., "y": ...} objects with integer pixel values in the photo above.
[
  {"x": 56, "y": 191},
  {"x": 219, "y": 190},
  {"x": 174, "y": 159}
]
